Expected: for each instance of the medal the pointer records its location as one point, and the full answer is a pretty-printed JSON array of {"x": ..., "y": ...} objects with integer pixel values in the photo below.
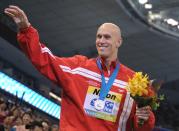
[{"x": 99, "y": 104}]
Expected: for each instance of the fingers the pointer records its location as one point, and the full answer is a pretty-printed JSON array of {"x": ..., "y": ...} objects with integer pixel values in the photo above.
[
  {"x": 11, "y": 12},
  {"x": 16, "y": 11},
  {"x": 15, "y": 7},
  {"x": 18, "y": 16},
  {"x": 143, "y": 113}
]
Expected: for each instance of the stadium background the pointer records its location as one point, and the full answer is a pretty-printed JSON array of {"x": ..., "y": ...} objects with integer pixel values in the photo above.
[{"x": 150, "y": 32}]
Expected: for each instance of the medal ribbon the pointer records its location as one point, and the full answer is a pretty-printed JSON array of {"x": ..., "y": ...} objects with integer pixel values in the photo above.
[{"x": 105, "y": 87}]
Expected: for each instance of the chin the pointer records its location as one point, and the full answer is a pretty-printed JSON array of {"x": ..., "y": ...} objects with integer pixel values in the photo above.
[{"x": 103, "y": 55}]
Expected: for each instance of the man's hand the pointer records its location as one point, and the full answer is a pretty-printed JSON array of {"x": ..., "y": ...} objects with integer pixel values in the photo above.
[
  {"x": 143, "y": 113},
  {"x": 18, "y": 16}
]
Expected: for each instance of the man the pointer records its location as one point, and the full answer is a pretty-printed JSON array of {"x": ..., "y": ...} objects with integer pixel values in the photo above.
[
  {"x": 26, "y": 120},
  {"x": 94, "y": 95},
  {"x": 45, "y": 125}
]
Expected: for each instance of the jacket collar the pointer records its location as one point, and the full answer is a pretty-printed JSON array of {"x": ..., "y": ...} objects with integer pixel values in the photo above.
[{"x": 103, "y": 63}]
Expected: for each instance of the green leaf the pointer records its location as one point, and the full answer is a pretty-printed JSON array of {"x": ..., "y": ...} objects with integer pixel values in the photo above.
[{"x": 162, "y": 97}]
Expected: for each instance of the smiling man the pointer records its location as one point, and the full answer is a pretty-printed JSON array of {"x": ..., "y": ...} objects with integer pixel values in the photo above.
[
  {"x": 108, "y": 40},
  {"x": 94, "y": 94}
]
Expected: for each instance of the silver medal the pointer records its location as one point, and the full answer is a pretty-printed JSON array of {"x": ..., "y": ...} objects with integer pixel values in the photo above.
[{"x": 99, "y": 104}]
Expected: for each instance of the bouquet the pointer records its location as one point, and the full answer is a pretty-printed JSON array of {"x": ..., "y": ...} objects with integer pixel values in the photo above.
[{"x": 144, "y": 92}]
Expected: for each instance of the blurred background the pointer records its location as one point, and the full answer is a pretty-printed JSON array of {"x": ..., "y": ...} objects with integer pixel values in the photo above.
[{"x": 150, "y": 31}]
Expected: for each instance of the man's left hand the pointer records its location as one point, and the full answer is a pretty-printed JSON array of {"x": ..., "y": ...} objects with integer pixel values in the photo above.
[{"x": 143, "y": 113}]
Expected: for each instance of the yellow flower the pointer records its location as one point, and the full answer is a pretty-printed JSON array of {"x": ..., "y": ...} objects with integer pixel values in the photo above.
[{"x": 138, "y": 84}]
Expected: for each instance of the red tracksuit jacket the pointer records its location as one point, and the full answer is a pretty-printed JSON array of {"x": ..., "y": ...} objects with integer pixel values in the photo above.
[{"x": 80, "y": 79}]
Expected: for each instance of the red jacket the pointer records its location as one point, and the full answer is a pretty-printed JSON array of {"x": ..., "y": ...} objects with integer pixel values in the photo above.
[{"x": 80, "y": 79}]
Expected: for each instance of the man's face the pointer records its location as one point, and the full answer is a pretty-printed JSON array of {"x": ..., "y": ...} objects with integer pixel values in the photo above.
[
  {"x": 18, "y": 121},
  {"x": 26, "y": 119},
  {"x": 3, "y": 106},
  {"x": 107, "y": 41},
  {"x": 8, "y": 120},
  {"x": 45, "y": 126}
]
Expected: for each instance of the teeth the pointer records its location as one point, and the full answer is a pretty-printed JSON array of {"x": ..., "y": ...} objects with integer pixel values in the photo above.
[{"x": 102, "y": 48}]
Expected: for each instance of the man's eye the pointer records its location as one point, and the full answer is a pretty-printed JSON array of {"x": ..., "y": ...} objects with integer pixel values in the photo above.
[
  {"x": 99, "y": 36},
  {"x": 107, "y": 36}
]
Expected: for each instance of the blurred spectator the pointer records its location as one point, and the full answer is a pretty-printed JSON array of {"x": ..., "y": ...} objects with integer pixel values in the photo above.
[
  {"x": 16, "y": 112},
  {"x": 54, "y": 128},
  {"x": 18, "y": 121},
  {"x": 26, "y": 118},
  {"x": 45, "y": 125},
  {"x": 16, "y": 117},
  {"x": 3, "y": 111},
  {"x": 8, "y": 121}
]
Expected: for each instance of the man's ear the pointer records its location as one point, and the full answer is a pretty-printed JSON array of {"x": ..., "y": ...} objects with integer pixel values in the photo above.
[{"x": 119, "y": 43}]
